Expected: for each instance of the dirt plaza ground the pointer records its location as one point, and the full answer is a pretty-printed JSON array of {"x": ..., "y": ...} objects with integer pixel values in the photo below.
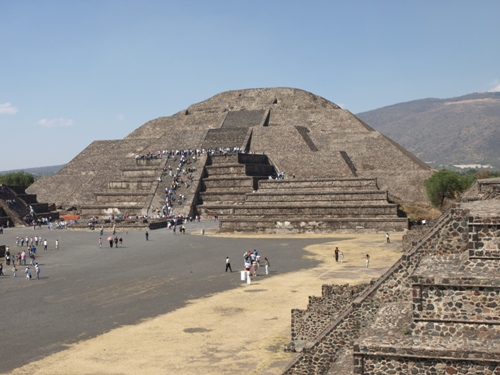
[{"x": 166, "y": 306}]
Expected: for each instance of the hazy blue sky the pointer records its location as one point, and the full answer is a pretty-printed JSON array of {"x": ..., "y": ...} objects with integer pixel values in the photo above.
[{"x": 74, "y": 71}]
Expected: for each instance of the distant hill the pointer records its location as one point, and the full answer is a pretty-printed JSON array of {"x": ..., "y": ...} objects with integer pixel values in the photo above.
[
  {"x": 38, "y": 172},
  {"x": 444, "y": 132}
]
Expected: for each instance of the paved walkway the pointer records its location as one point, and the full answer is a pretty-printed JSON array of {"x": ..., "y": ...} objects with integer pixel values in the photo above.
[{"x": 166, "y": 305}]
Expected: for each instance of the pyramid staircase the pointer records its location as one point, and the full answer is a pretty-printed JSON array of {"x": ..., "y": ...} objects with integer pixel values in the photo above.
[
  {"x": 13, "y": 214},
  {"x": 237, "y": 188},
  {"x": 228, "y": 178}
]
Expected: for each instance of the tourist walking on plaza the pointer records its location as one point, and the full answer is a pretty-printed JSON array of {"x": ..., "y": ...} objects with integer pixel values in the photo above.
[
  {"x": 336, "y": 254},
  {"x": 28, "y": 273},
  {"x": 387, "y": 238},
  {"x": 45, "y": 243},
  {"x": 100, "y": 243},
  {"x": 32, "y": 257},
  {"x": 341, "y": 257},
  {"x": 247, "y": 270},
  {"x": 228, "y": 265},
  {"x": 267, "y": 265},
  {"x": 37, "y": 271},
  {"x": 147, "y": 236},
  {"x": 367, "y": 261},
  {"x": 14, "y": 271},
  {"x": 57, "y": 244},
  {"x": 255, "y": 265},
  {"x": 7, "y": 256}
]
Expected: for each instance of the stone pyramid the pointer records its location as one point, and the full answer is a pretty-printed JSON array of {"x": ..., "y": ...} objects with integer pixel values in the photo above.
[{"x": 303, "y": 135}]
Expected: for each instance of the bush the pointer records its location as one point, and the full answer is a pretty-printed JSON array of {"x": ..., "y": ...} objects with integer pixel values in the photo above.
[
  {"x": 17, "y": 179},
  {"x": 446, "y": 185}
]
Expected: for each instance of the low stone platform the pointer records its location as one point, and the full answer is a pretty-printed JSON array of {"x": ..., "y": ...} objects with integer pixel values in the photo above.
[{"x": 311, "y": 224}]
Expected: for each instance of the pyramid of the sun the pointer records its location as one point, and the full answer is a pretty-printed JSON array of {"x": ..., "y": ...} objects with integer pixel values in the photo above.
[{"x": 306, "y": 136}]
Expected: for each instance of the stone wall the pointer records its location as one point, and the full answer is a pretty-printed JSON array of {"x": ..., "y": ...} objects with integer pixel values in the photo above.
[
  {"x": 357, "y": 197},
  {"x": 319, "y": 355},
  {"x": 324, "y": 210},
  {"x": 456, "y": 302},
  {"x": 324, "y": 184},
  {"x": 309, "y": 323},
  {"x": 379, "y": 364},
  {"x": 295, "y": 225}
]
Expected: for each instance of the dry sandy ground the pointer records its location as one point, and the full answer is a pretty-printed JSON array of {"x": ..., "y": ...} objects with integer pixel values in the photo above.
[{"x": 234, "y": 332}]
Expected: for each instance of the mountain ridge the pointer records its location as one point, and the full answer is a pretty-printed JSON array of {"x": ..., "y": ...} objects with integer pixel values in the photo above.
[{"x": 463, "y": 130}]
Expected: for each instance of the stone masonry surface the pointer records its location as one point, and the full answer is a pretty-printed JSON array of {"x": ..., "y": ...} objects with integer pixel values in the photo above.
[
  {"x": 436, "y": 311},
  {"x": 265, "y": 121}
]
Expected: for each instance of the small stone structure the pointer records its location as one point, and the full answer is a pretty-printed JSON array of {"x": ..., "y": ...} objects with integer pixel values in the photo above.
[
  {"x": 13, "y": 214},
  {"x": 435, "y": 311}
]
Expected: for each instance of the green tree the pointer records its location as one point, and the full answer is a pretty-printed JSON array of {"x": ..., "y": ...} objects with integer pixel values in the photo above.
[
  {"x": 17, "y": 179},
  {"x": 445, "y": 184}
]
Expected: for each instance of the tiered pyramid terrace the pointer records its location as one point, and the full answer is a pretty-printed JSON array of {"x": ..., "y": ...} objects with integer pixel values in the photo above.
[{"x": 298, "y": 133}]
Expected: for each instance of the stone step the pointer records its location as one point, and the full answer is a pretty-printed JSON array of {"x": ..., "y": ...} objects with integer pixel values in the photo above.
[
  {"x": 225, "y": 169},
  {"x": 378, "y": 197},
  {"x": 444, "y": 355},
  {"x": 282, "y": 212},
  {"x": 333, "y": 209},
  {"x": 477, "y": 330},
  {"x": 151, "y": 162},
  {"x": 360, "y": 183},
  {"x": 127, "y": 198},
  {"x": 222, "y": 199},
  {"x": 131, "y": 184},
  {"x": 258, "y": 170},
  {"x": 228, "y": 183},
  {"x": 238, "y": 158},
  {"x": 223, "y": 159},
  {"x": 335, "y": 194},
  {"x": 456, "y": 301},
  {"x": 141, "y": 172},
  {"x": 303, "y": 224},
  {"x": 116, "y": 209}
]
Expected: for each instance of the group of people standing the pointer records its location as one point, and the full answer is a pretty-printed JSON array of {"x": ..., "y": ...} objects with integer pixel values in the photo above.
[
  {"x": 339, "y": 255},
  {"x": 251, "y": 263},
  {"x": 20, "y": 260}
]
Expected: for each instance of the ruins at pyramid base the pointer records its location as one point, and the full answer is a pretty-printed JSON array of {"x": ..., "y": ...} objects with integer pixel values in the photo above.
[
  {"x": 435, "y": 311},
  {"x": 292, "y": 162}
]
